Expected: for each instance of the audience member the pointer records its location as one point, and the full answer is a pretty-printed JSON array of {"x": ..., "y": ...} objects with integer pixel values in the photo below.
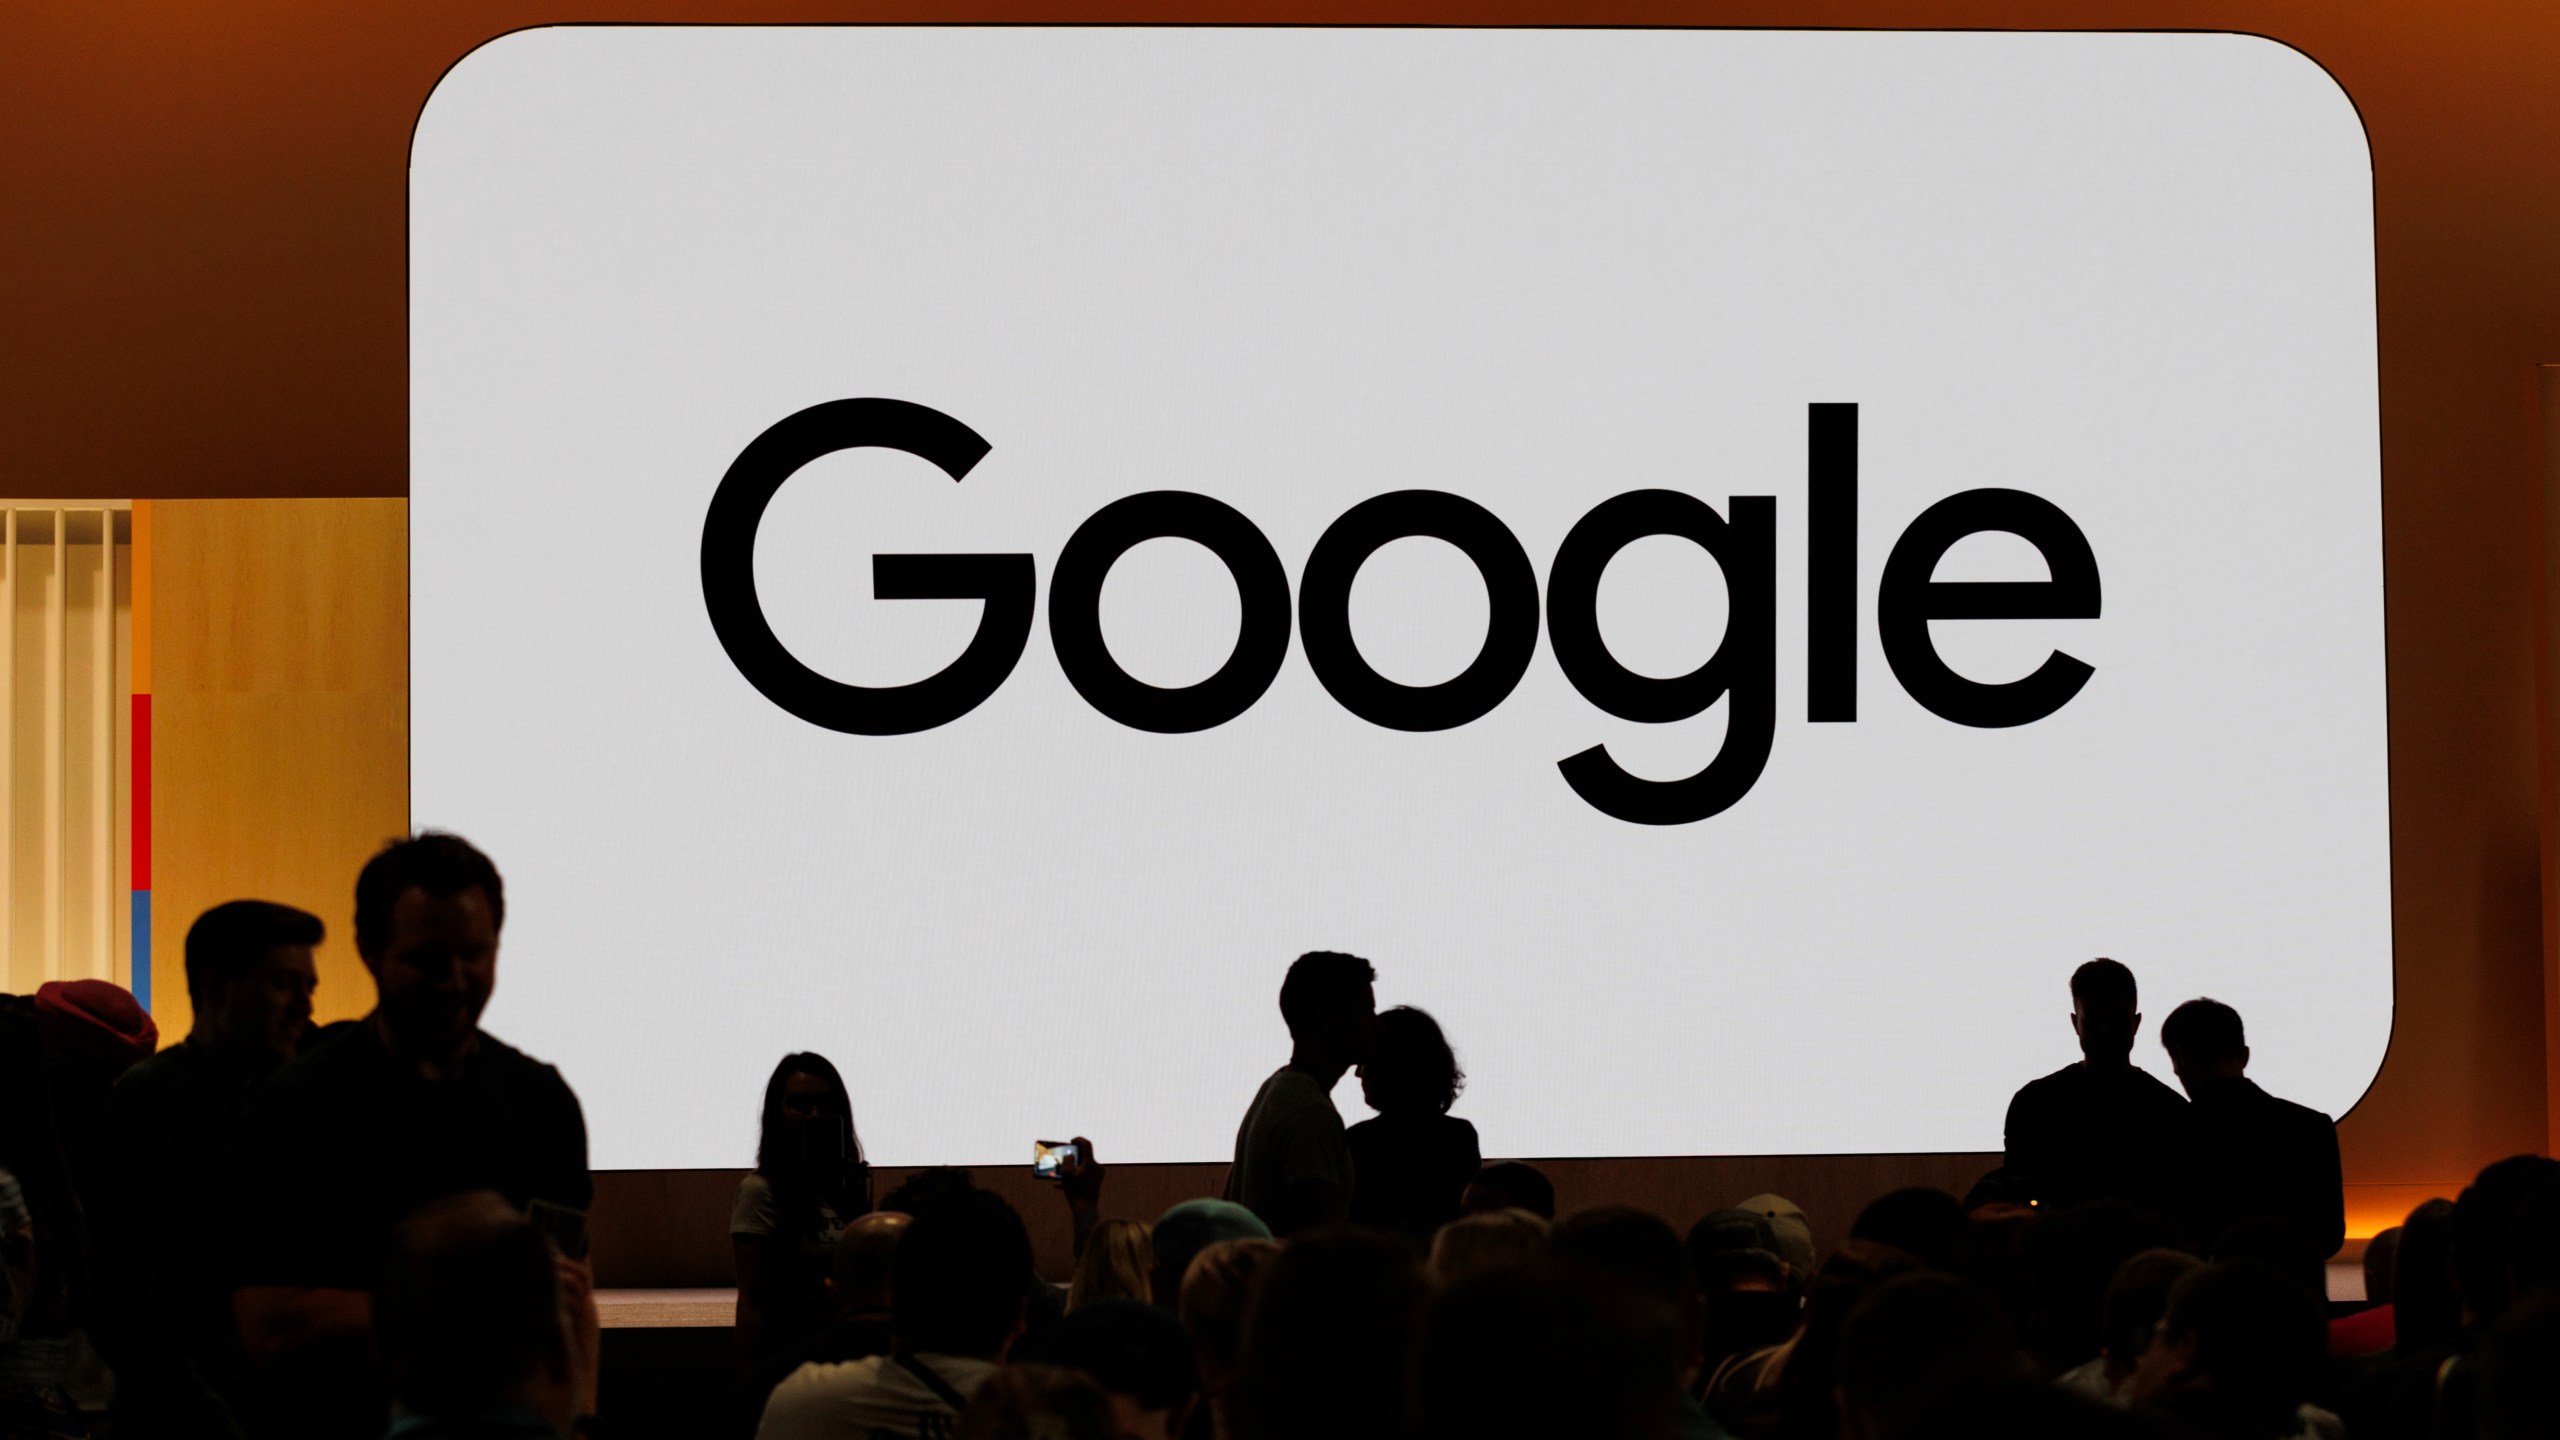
[
  {"x": 2426, "y": 1309},
  {"x": 1928, "y": 1225},
  {"x": 809, "y": 1180},
  {"x": 859, "y": 1290},
  {"x": 927, "y": 1188},
  {"x": 1786, "y": 1391},
  {"x": 2101, "y": 1127},
  {"x": 1217, "y": 1290},
  {"x": 1414, "y": 1159},
  {"x": 1792, "y": 1227},
  {"x": 1913, "y": 1340},
  {"x": 1142, "y": 1358},
  {"x": 1509, "y": 1185},
  {"x": 1536, "y": 1352},
  {"x": 1293, "y": 1163},
  {"x": 1487, "y": 1240},
  {"x": 958, "y": 1293},
  {"x": 2238, "y": 1353},
  {"x": 1328, "y": 1338},
  {"x": 1749, "y": 1294},
  {"x": 1187, "y": 1229},
  {"x": 2248, "y": 1153},
  {"x": 2518, "y": 1397},
  {"x": 2136, "y": 1299},
  {"x": 1642, "y": 1255},
  {"x": 2369, "y": 1331},
  {"x": 2073, "y": 1258},
  {"x": 1119, "y": 1263},
  {"x": 1037, "y": 1402},
  {"x": 415, "y": 1104},
  {"x": 168, "y": 1139},
  {"x": 486, "y": 1333}
]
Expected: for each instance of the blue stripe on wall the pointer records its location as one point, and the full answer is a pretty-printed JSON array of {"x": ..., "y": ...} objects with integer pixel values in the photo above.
[{"x": 142, "y": 947}]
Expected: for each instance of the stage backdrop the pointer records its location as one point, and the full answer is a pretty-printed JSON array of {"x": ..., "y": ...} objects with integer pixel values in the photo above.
[{"x": 1515, "y": 505}]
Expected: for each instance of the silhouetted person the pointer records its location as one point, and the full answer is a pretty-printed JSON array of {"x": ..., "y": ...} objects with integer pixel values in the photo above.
[
  {"x": 168, "y": 1149},
  {"x": 2248, "y": 1153},
  {"x": 859, "y": 1292},
  {"x": 1186, "y": 1229},
  {"x": 1415, "y": 1159},
  {"x": 1641, "y": 1255},
  {"x": 1293, "y": 1163},
  {"x": 1928, "y": 1225},
  {"x": 1510, "y": 1185},
  {"x": 1914, "y": 1340},
  {"x": 2237, "y": 1355},
  {"x": 2103, "y": 1127},
  {"x": 1750, "y": 1293},
  {"x": 1327, "y": 1340},
  {"x": 486, "y": 1333},
  {"x": 1541, "y": 1351},
  {"x": 958, "y": 1298},
  {"x": 1141, "y": 1356},
  {"x": 809, "y": 1180},
  {"x": 1217, "y": 1290},
  {"x": 413, "y": 1104}
]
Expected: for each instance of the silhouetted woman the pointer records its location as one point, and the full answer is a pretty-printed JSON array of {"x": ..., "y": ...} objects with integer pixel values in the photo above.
[
  {"x": 809, "y": 1180},
  {"x": 1410, "y": 1164}
]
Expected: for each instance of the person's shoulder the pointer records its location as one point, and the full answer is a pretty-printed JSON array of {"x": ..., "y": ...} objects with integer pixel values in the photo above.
[
  {"x": 2300, "y": 1115},
  {"x": 172, "y": 1069},
  {"x": 324, "y": 1070},
  {"x": 2156, "y": 1089},
  {"x": 2049, "y": 1087},
  {"x": 819, "y": 1382},
  {"x": 515, "y": 1068}
]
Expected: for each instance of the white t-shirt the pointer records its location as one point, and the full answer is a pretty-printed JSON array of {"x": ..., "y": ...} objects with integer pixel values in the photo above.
[
  {"x": 870, "y": 1399},
  {"x": 754, "y": 1211},
  {"x": 1291, "y": 1136}
]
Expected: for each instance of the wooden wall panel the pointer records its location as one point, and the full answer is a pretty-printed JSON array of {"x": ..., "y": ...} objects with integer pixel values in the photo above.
[{"x": 280, "y": 710}]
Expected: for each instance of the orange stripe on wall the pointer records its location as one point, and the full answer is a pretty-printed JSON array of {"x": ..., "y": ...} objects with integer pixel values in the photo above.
[{"x": 141, "y": 612}]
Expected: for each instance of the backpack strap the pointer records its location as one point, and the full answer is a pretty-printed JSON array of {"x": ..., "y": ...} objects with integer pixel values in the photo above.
[{"x": 941, "y": 1388}]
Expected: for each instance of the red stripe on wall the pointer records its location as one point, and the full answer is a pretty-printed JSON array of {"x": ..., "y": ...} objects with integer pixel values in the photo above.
[{"x": 141, "y": 792}]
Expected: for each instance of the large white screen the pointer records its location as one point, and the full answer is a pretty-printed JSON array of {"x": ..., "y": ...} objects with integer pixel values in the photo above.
[{"x": 1292, "y": 270}]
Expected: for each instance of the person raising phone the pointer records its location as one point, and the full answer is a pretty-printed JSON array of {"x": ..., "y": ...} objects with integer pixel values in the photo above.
[{"x": 809, "y": 1181}]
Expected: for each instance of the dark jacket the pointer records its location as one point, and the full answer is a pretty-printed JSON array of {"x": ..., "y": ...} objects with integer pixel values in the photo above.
[{"x": 2250, "y": 1154}]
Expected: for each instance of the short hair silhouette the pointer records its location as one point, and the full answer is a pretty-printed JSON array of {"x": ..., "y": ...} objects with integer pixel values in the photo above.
[
  {"x": 1632, "y": 1247},
  {"x": 927, "y": 1188},
  {"x": 440, "y": 864},
  {"x": 1327, "y": 1339},
  {"x": 1540, "y": 1352},
  {"x": 1320, "y": 984},
  {"x": 1411, "y": 1068},
  {"x": 2484, "y": 1223},
  {"x": 1513, "y": 1185},
  {"x": 229, "y": 940},
  {"x": 2206, "y": 1029},
  {"x": 1930, "y": 1226},
  {"x": 2104, "y": 983},
  {"x": 2137, "y": 1297},
  {"x": 1915, "y": 1338},
  {"x": 2425, "y": 1306},
  {"x": 2261, "y": 1340},
  {"x": 960, "y": 1276},
  {"x": 466, "y": 1306},
  {"x": 1039, "y": 1402},
  {"x": 1486, "y": 1240},
  {"x": 1132, "y": 1347}
]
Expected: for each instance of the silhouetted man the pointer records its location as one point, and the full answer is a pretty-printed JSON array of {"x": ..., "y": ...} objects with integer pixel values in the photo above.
[
  {"x": 858, "y": 1286},
  {"x": 2248, "y": 1153},
  {"x": 413, "y": 1104},
  {"x": 2103, "y": 1128},
  {"x": 168, "y": 1147},
  {"x": 486, "y": 1334},
  {"x": 1293, "y": 1164}
]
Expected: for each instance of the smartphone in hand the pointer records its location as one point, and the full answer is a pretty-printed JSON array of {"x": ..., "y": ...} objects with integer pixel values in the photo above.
[{"x": 1048, "y": 1155}]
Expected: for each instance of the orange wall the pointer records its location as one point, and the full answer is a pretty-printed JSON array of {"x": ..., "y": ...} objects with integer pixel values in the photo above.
[{"x": 205, "y": 249}]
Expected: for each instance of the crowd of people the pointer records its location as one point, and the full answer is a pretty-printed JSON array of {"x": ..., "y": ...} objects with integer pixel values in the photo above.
[{"x": 378, "y": 1227}]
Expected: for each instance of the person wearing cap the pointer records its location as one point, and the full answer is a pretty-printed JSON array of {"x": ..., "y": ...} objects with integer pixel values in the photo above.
[
  {"x": 169, "y": 1138},
  {"x": 1185, "y": 1230}
]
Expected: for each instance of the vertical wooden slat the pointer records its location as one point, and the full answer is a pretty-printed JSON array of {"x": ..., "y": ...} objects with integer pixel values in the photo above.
[
  {"x": 9, "y": 744},
  {"x": 55, "y": 656},
  {"x": 102, "y": 757}
]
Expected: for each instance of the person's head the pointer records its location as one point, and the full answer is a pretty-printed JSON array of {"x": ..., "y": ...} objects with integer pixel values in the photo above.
[
  {"x": 250, "y": 977},
  {"x": 1928, "y": 1225},
  {"x": 2484, "y": 1223},
  {"x": 468, "y": 1314},
  {"x": 2105, "y": 1011},
  {"x": 1510, "y": 1185},
  {"x": 1039, "y": 1402},
  {"x": 1185, "y": 1230},
  {"x": 2380, "y": 1254},
  {"x": 2239, "y": 1343},
  {"x": 1330, "y": 1001},
  {"x": 2136, "y": 1299},
  {"x": 929, "y": 1187},
  {"x": 1539, "y": 1351},
  {"x": 1912, "y": 1339},
  {"x": 1486, "y": 1240},
  {"x": 1642, "y": 1254},
  {"x": 1410, "y": 1069},
  {"x": 1216, "y": 1292},
  {"x": 1327, "y": 1339},
  {"x": 428, "y": 912},
  {"x": 864, "y": 1255},
  {"x": 1141, "y": 1356},
  {"x": 2519, "y": 1376},
  {"x": 959, "y": 1278},
  {"x": 2205, "y": 1042},
  {"x": 807, "y": 1115},
  {"x": 2425, "y": 1306},
  {"x": 1791, "y": 1225},
  {"x": 1118, "y": 1263},
  {"x": 1808, "y": 1398}
]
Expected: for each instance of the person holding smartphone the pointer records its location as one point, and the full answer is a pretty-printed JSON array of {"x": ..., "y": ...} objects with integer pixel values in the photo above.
[{"x": 810, "y": 1180}]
